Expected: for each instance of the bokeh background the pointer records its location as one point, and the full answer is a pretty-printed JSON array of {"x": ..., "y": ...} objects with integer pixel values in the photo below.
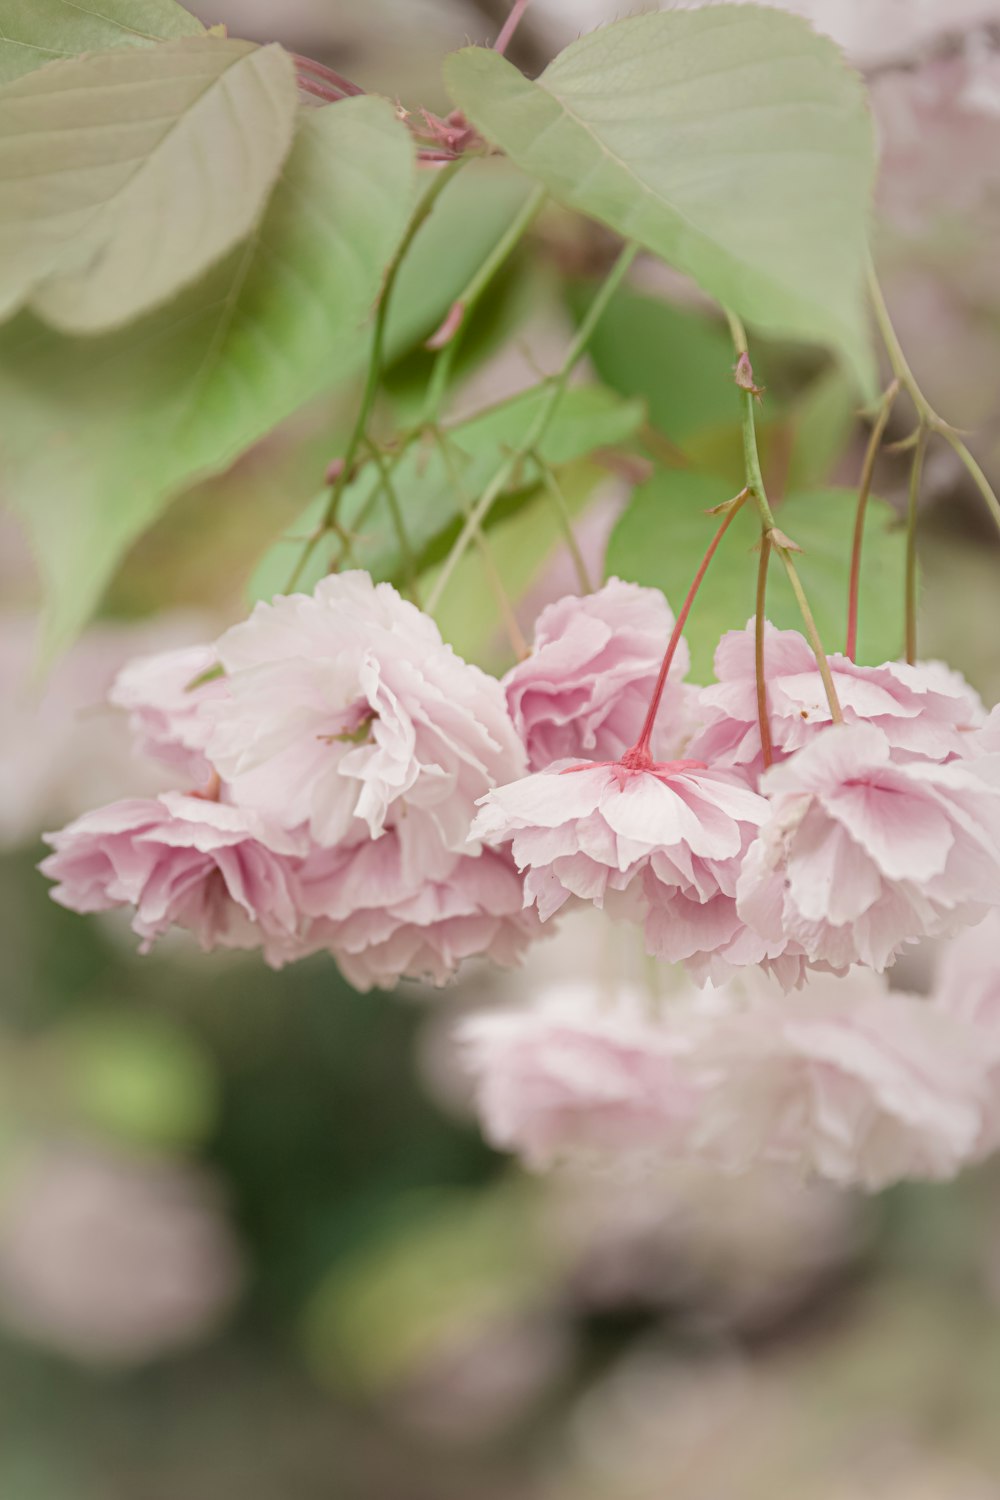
[{"x": 251, "y": 1243}]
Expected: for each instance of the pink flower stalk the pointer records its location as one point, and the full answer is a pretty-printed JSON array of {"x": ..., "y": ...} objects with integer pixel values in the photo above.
[
  {"x": 862, "y": 855},
  {"x": 660, "y": 844},
  {"x": 847, "y": 1081},
  {"x": 183, "y": 861},
  {"x": 925, "y": 710},
  {"x": 400, "y": 906},
  {"x": 584, "y": 690},
  {"x": 346, "y": 705},
  {"x": 578, "y": 1072},
  {"x": 166, "y": 707}
]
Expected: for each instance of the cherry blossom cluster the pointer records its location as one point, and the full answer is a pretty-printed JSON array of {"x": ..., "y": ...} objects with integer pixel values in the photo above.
[
  {"x": 330, "y": 751},
  {"x": 349, "y": 785},
  {"x": 847, "y": 1080}
]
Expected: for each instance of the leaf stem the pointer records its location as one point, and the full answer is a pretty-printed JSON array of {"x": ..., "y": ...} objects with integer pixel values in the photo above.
[
  {"x": 374, "y": 372},
  {"x": 974, "y": 469},
  {"x": 539, "y": 427},
  {"x": 399, "y": 525},
  {"x": 864, "y": 490},
  {"x": 916, "y": 469},
  {"x": 493, "y": 574},
  {"x": 760, "y": 625},
  {"x": 469, "y": 297},
  {"x": 755, "y": 484},
  {"x": 562, "y": 510},
  {"x": 926, "y": 414},
  {"x": 640, "y": 754}
]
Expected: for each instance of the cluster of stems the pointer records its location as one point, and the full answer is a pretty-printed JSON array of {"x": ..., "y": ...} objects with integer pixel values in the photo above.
[
  {"x": 929, "y": 424},
  {"x": 362, "y": 448}
]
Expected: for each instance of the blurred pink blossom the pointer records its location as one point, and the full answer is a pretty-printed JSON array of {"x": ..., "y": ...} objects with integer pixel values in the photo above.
[
  {"x": 846, "y": 1080},
  {"x": 574, "y": 1074},
  {"x": 63, "y": 748},
  {"x": 114, "y": 1259}
]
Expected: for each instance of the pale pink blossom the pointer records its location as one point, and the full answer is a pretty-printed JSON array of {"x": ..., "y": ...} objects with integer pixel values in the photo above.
[
  {"x": 862, "y": 855},
  {"x": 926, "y": 710},
  {"x": 345, "y": 705},
  {"x": 165, "y": 696},
  {"x": 577, "y": 1072},
  {"x": 183, "y": 861},
  {"x": 111, "y": 1258},
  {"x": 584, "y": 690},
  {"x": 661, "y": 845},
  {"x": 967, "y": 988},
  {"x": 986, "y": 740},
  {"x": 63, "y": 749},
  {"x": 400, "y": 906},
  {"x": 846, "y": 1079}
]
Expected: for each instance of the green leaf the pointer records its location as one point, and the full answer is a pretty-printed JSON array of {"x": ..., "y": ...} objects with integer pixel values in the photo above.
[
  {"x": 468, "y": 219},
  {"x": 680, "y": 362},
  {"x": 101, "y": 433},
  {"x": 822, "y": 421},
  {"x": 662, "y": 536},
  {"x": 124, "y": 175},
  {"x": 732, "y": 141},
  {"x": 588, "y": 417},
  {"x": 36, "y": 32}
]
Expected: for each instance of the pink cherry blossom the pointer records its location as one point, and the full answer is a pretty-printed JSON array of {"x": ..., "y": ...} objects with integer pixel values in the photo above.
[
  {"x": 400, "y": 906},
  {"x": 986, "y": 740},
  {"x": 967, "y": 988},
  {"x": 114, "y": 1258},
  {"x": 925, "y": 710},
  {"x": 846, "y": 1079},
  {"x": 584, "y": 690},
  {"x": 862, "y": 855},
  {"x": 346, "y": 704},
  {"x": 661, "y": 845},
  {"x": 166, "y": 707},
  {"x": 577, "y": 1072},
  {"x": 183, "y": 861},
  {"x": 62, "y": 749}
]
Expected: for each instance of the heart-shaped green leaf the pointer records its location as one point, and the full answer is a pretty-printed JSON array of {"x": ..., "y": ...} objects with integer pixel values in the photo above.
[
  {"x": 100, "y": 433},
  {"x": 732, "y": 141},
  {"x": 124, "y": 175},
  {"x": 36, "y": 32}
]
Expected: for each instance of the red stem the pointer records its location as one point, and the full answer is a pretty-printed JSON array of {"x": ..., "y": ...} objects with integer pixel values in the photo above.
[
  {"x": 319, "y": 90},
  {"x": 864, "y": 490},
  {"x": 759, "y": 666},
  {"x": 510, "y": 26},
  {"x": 640, "y": 755},
  {"x": 320, "y": 70}
]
